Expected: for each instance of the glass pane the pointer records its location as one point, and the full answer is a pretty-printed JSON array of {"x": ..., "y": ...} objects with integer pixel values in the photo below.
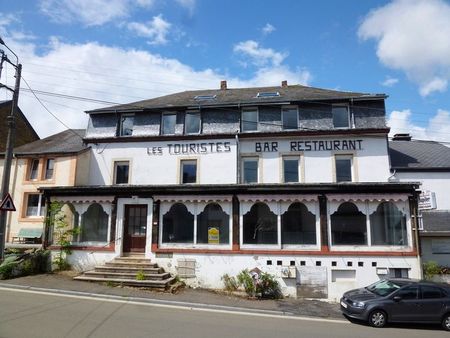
[
  {"x": 42, "y": 211},
  {"x": 290, "y": 170},
  {"x": 49, "y": 168},
  {"x": 122, "y": 173},
  {"x": 409, "y": 292},
  {"x": 34, "y": 169},
  {"x": 178, "y": 225},
  {"x": 250, "y": 169},
  {"x": 169, "y": 122},
  {"x": 94, "y": 224},
  {"x": 260, "y": 225},
  {"x": 343, "y": 170},
  {"x": 388, "y": 225},
  {"x": 33, "y": 205},
  {"x": 290, "y": 119},
  {"x": 340, "y": 117},
  {"x": 430, "y": 292},
  {"x": 348, "y": 226},
  {"x": 126, "y": 125},
  {"x": 213, "y": 225},
  {"x": 192, "y": 122},
  {"x": 249, "y": 120},
  {"x": 298, "y": 225},
  {"x": 189, "y": 171}
]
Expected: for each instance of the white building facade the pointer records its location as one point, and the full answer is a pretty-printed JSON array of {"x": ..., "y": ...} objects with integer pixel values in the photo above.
[{"x": 292, "y": 180}]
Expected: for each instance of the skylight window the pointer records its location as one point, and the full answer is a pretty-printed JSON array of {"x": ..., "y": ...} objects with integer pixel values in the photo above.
[
  {"x": 267, "y": 94},
  {"x": 204, "y": 97}
]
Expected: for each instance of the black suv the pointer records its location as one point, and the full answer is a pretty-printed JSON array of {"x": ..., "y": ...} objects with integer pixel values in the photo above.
[{"x": 399, "y": 300}]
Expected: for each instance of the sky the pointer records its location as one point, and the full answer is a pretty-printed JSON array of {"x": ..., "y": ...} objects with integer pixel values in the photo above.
[{"x": 79, "y": 55}]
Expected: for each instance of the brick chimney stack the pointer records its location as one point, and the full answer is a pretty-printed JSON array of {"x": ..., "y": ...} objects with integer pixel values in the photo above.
[
  {"x": 223, "y": 85},
  {"x": 284, "y": 83}
]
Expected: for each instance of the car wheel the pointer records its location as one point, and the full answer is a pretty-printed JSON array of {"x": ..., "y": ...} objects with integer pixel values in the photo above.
[
  {"x": 377, "y": 318},
  {"x": 446, "y": 322}
]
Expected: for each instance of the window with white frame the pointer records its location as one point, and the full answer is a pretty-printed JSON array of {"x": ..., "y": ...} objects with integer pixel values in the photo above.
[
  {"x": 289, "y": 118},
  {"x": 35, "y": 205},
  {"x": 298, "y": 225},
  {"x": 94, "y": 224},
  {"x": 213, "y": 225},
  {"x": 178, "y": 225},
  {"x": 33, "y": 172},
  {"x": 188, "y": 171},
  {"x": 291, "y": 169},
  {"x": 388, "y": 225},
  {"x": 344, "y": 168},
  {"x": 169, "y": 121},
  {"x": 260, "y": 225},
  {"x": 348, "y": 226},
  {"x": 49, "y": 168},
  {"x": 126, "y": 124},
  {"x": 250, "y": 171},
  {"x": 192, "y": 122},
  {"x": 249, "y": 119},
  {"x": 121, "y": 172},
  {"x": 341, "y": 116}
]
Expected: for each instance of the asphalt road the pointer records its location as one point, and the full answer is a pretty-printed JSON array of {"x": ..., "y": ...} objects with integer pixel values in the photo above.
[{"x": 30, "y": 314}]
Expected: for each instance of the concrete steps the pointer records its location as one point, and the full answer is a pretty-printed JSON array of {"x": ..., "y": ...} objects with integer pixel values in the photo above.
[{"x": 132, "y": 271}]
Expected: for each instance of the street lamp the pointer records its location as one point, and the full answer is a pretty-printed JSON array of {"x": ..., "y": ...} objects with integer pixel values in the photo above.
[{"x": 9, "y": 145}]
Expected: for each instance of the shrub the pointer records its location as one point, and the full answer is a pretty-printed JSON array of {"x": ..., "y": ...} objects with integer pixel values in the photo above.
[
  {"x": 430, "y": 269},
  {"x": 230, "y": 283},
  {"x": 246, "y": 281}
]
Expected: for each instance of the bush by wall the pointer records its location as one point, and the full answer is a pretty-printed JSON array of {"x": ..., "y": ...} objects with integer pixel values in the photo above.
[{"x": 29, "y": 262}]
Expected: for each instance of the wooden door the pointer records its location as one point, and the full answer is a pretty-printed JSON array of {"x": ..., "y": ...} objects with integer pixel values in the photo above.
[{"x": 135, "y": 228}]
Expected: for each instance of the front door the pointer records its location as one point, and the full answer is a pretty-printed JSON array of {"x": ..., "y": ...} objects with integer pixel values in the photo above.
[{"x": 135, "y": 228}]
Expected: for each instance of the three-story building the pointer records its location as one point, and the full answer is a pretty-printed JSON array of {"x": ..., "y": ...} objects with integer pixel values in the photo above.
[{"x": 293, "y": 180}]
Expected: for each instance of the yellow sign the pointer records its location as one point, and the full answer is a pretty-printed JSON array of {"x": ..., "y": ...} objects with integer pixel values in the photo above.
[{"x": 213, "y": 235}]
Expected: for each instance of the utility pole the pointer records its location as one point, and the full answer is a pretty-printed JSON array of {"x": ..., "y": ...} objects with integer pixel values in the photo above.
[{"x": 9, "y": 146}]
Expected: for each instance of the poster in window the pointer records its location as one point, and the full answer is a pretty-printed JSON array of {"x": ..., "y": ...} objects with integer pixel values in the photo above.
[{"x": 213, "y": 235}]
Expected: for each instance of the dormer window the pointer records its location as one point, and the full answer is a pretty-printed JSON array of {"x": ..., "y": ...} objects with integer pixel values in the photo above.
[
  {"x": 341, "y": 117},
  {"x": 126, "y": 125},
  {"x": 263, "y": 95}
]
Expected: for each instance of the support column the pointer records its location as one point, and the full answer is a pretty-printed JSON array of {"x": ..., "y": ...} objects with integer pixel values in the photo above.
[
  {"x": 323, "y": 223},
  {"x": 155, "y": 225},
  {"x": 235, "y": 215}
]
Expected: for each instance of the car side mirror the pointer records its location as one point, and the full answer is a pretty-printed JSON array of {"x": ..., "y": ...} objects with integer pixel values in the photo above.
[{"x": 397, "y": 298}]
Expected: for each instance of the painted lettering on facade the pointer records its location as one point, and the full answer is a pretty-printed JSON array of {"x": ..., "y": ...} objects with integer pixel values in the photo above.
[
  {"x": 191, "y": 148},
  {"x": 315, "y": 145}
]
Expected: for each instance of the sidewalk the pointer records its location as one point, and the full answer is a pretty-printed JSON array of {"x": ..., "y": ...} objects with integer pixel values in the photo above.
[{"x": 196, "y": 297}]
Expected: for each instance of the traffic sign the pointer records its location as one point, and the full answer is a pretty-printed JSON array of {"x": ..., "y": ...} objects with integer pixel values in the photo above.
[{"x": 7, "y": 204}]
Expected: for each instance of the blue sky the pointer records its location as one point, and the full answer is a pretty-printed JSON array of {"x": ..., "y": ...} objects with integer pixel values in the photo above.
[{"x": 127, "y": 50}]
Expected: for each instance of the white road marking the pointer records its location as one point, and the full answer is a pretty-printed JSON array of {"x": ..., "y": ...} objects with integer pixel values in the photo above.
[{"x": 179, "y": 307}]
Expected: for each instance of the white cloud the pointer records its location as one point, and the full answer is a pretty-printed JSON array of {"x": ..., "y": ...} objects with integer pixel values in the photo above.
[
  {"x": 89, "y": 12},
  {"x": 436, "y": 128},
  {"x": 188, "y": 4},
  {"x": 267, "y": 29},
  {"x": 156, "y": 30},
  {"x": 258, "y": 55},
  {"x": 389, "y": 81},
  {"x": 413, "y": 36}
]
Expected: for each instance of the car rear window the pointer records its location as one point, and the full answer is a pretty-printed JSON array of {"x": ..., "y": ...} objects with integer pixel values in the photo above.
[{"x": 430, "y": 292}]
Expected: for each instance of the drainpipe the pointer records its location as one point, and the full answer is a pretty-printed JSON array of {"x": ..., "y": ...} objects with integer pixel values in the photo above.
[
  {"x": 238, "y": 162},
  {"x": 413, "y": 206}
]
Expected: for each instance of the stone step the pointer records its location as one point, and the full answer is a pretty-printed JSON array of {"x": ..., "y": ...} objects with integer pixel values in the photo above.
[
  {"x": 132, "y": 282},
  {"x": 131, "y": 264},
  {"x": 127, "y": 275},
  {"x": 128, "y": 269},
  {"x": 132, "y": 260}
]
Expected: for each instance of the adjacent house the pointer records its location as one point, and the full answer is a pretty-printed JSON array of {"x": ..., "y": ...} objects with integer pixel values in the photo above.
[
  {"x": 57, "y": 160},
  {"x": 429, "y": 163},
  {"x": 290, "y": 179}
]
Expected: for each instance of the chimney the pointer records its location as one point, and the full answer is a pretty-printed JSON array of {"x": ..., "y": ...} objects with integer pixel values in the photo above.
[
  {"x": 401, "y": 137},
  {"x": 223, "y": 85},
  {"x": 284, "y": 83}
]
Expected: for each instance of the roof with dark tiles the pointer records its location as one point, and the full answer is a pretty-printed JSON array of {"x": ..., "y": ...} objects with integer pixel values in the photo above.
[
  {"x": 24, "y": 131},
  {"x": 436, "y": 221},
  {"x": 69, "y": 141},
  {"x": 236, "y": 96},
  {"x": 419, "y": 155}
]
